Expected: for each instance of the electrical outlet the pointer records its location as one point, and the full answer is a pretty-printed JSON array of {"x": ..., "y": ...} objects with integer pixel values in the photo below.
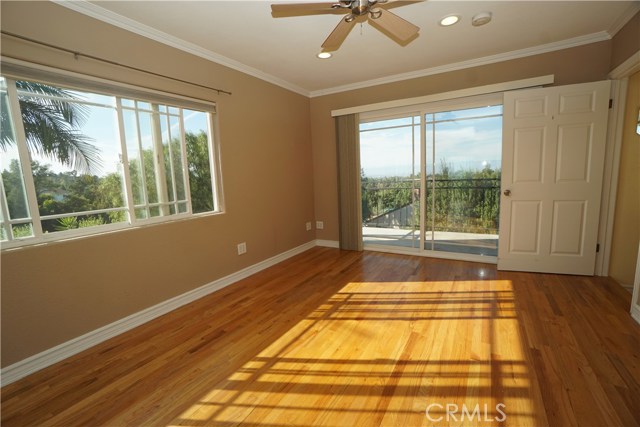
[
  {"x": 319, "y": 225},
  {"x": 309, "y": 226},
  {"x": 242, "y": 248}
]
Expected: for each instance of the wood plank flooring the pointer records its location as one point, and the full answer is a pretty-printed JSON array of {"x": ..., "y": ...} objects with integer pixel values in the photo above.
[{"x": 334, "y": 338}]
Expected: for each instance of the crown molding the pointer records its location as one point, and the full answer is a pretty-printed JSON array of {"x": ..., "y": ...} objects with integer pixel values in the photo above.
[
  {"x": 624, "y": 18},
  {"x": 627, "y": 68},
  {"x": 501, "y": 57},
  {"x": 89, "y": 9}
]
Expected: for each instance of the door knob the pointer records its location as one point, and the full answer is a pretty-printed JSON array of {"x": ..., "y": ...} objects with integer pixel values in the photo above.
[{"x": 507, "y": 192}]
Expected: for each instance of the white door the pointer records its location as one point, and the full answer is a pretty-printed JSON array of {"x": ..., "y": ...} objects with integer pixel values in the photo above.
[{"x": 552, "y": 164}]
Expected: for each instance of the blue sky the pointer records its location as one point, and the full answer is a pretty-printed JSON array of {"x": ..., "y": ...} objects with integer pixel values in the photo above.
[
  {"x": 101, "y": 128},
  {"x": 464, "y": 144}
]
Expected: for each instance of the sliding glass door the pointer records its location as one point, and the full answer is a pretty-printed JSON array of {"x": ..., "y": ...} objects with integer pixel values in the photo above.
[
  {"x": 445, "y": 158},
  {"x": 390, "y": 174},
  {"x": 463, "y": 180}
]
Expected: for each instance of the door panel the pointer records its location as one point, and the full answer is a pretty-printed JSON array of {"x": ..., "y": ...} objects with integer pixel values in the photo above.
[
  {"x": 528, "y": 155},
  {"x": 525, "y": 227},
  {"x": 568, "y": 227},
  {"x": 574, "y": 150},
  {"x": 553, "y": 158}
]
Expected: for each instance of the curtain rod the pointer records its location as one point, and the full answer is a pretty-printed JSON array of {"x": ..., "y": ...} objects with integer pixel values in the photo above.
[{"x": 77, "y": 55}]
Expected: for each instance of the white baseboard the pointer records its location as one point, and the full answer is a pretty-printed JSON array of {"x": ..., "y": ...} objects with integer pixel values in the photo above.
[
  {"x": 328, "y": 243},
  {"x": 629, "y": 288},
  {"x": 67, "y": 349}
]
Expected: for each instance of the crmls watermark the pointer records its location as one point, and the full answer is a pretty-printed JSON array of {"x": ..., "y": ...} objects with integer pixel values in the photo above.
[{"x": 453, "y": 412}]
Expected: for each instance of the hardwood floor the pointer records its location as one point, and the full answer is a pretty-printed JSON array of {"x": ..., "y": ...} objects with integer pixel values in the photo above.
[{"x": 360, "y": 339}]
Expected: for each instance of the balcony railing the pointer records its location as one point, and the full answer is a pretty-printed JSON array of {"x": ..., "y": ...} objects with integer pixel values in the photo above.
[{"x": 453, "y": 204}]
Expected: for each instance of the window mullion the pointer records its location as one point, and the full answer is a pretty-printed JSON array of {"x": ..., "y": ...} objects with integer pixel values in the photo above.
[
  {"x": 143, "y": 169},
  {"x": 4, "y": 211},
  {"x": 174, "y": 185},
  {"x": 128, "y": 186},
  {"x": 25, "y": 157},
  {"x": 185, "y": 163},
  {"x": 213, "y": 165},
  {"x": 158, "y": 151}
]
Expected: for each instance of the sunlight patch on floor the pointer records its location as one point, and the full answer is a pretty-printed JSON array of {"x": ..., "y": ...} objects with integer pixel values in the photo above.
[{"x": 383, "y": 353}]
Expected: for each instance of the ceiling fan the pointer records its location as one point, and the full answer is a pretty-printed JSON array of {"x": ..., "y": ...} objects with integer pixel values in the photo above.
[{"x": 373, "y": 11}]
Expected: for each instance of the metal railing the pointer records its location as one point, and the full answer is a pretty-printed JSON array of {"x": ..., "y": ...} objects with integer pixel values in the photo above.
[{"x": 454, "y": 204}]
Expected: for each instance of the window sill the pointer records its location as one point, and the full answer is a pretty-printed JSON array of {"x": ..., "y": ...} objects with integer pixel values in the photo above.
[{"x": 71, "y": 235}]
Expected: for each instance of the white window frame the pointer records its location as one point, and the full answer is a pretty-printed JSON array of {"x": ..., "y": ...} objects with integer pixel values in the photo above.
[{"x": 129, "y": 207}]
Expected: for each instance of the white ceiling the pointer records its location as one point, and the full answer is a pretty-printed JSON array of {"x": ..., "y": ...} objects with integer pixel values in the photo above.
[{"x": 244, "y": 36}]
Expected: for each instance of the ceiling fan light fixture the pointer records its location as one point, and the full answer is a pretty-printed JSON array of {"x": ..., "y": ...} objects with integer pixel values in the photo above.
[
  {"x": 481, "y": 19},
  {"x": 449, "y": 20},
  {"x": 324, "y": 55}
]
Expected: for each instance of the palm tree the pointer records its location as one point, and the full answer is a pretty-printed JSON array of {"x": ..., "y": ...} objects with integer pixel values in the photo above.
[{"x": 51, "y": 126}]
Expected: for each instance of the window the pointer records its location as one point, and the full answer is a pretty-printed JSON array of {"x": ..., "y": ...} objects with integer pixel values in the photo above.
[{"x": 75, "y": 162}]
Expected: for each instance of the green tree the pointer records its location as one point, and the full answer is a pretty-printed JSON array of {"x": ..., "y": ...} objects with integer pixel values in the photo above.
[
  {"x": 199, "y": 172},
  {"x": 51, "y": 126},
  {"x": 14, "y": 190}
]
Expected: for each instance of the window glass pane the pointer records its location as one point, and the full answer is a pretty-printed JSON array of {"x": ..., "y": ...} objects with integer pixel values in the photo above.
[
  {"x": 14, "y": 197},
  {"x": 390, "y": 175},
  {"x": 166, "y": 152},
  {"x": 380, "y": 124},
  {"x": 75, "y": 153},
  {"x": 128, "y": 103},
  {"x": 467, "y": 163},
  {"x": 141, "y": 213},
  {"x": 12, "y": 177},
  {"x": 176, "y": 156},
  {"x": 469, "y": 113},
  {"x": 149, "y": 167},
  {"x": 22, "y": 230},
  {"x": 133, "y": 155},
  {"x": 198, "y": 145},
  {"x": 144, "y": 106},
  {"x": 80, "y": 221}
]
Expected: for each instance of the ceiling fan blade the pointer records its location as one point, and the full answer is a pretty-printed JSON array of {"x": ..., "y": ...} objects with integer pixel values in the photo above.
[
  {"x": 394, "y": 26},
  {"x": 284, "y": 10},
  {"x": 338, "y": 35}
]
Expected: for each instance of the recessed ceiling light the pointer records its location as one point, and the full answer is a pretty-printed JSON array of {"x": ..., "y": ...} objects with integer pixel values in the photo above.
[
  {"x": 481, "y": 19},
  {"x": 449, "y": 20},
  {"x": 324, "y": 55}
]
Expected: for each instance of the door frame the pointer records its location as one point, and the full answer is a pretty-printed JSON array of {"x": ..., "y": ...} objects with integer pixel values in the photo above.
[
  {"x": 619, "y": 79},
  {"x": 421, "y": 110}
]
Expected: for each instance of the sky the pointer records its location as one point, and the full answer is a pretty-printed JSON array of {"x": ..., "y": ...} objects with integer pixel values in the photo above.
[
  {"x": 470, "y": 144},
  {"x": 101, "y": 128}
]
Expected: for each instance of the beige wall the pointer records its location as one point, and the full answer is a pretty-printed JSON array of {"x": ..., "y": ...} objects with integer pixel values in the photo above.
[
  {"x": 576, "y": 65},
  {"x": 53, "y": 293},
  {"x": 624, "y": 245},
  {"x": 626, "y": 42},
  {"x": 626, "y": 228}
]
